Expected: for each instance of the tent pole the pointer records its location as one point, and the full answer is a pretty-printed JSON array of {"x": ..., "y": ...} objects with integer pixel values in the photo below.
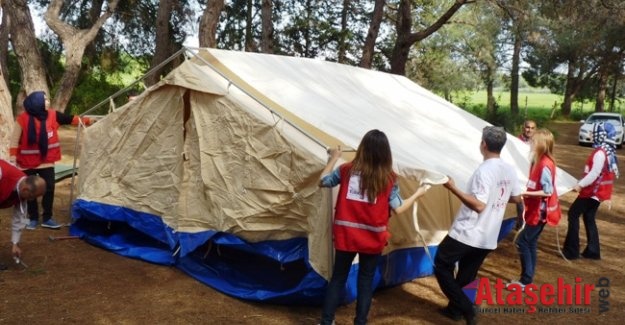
[{"x": 71, "y": 188}]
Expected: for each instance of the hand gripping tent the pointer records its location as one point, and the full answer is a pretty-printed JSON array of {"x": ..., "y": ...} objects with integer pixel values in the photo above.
[{"x": 215, "y": 169}]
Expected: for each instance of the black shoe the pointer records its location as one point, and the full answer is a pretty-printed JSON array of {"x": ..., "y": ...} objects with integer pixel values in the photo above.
[
  {"x": 591, "y": 256},
  {"x": 3, "y": 267},
  {"x": 570, "y": 256},
  {"x": 472, "y": 317},
  {"x": 471, "y": 320},
  {"x": 449, "y": 313}
]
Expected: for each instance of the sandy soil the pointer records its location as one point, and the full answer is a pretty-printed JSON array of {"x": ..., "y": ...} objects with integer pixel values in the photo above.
[{"x": 72, "y": 282}]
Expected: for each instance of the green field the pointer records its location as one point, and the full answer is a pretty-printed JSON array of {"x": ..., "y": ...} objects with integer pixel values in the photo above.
[
  {"x": 526, "y": 99},
  {"x": 538, "y": 105}
]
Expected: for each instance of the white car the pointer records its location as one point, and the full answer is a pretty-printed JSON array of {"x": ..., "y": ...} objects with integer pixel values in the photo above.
[{"x": 616, "y": 119}]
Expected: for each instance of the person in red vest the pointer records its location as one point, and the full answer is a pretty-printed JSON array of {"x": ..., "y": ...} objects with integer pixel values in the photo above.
[
  {"x": 35, "y": 147},
  {"x": 368, "y": 192},
  {"x": 600, "y": 171},
  {"x": 15, "y": 189},
  {"x": 541, "y": 203}
]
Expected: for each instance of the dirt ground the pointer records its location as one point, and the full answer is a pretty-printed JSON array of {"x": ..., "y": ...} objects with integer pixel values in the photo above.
[{"x": 72, "y": 282}]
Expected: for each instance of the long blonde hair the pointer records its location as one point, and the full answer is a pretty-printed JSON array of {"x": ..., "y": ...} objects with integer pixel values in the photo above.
[
  {"x": 542, "y": 145},
  {"x": 374, "y": 164}
]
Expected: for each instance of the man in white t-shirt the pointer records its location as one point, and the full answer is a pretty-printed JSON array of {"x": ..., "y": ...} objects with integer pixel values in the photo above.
[{"x": 473, "y": 235}]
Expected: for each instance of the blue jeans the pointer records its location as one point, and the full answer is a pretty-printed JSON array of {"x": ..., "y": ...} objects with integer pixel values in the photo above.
[
  {"x": 526, "y": 244},
  {"x": 588, "y": 207},
  {"x": 342, "y": 264}
]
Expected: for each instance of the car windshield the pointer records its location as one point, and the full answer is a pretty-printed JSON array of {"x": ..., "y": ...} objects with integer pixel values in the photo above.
[{"x": 600, "y": 118}]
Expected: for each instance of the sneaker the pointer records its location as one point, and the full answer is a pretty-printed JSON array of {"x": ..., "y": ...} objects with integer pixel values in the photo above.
[
  {"x": 32, "y": 225},
  {"x": 3, "y": 267},
  {"x": 513, "y": 283},
  {"x": 50, "y": 224}
]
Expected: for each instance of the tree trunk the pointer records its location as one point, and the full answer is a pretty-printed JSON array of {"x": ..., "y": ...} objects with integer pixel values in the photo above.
[
  {"x": 343, "y": 33},
  {"x": 6, "y": 116},
  {"x": 33, "y": 73},
  {"x": 402, "y": 46},
  {"x": 266, "y": 42},
  {"x": 617, "y": 74},
  {"x": 309, "y": 18},
  {"x": 569, "y": 93},
  {"x": 601, "y": 91},
  {"x": 514, "y": 75},
  {"x": 372, "y": 34},
  {"x": 75, "y": 41},
  {"x": 574, "y": 83},
  {"x": 249, "y": 36},
  {"x": 163, "y": 49},
  {"x": 6, "y": 113},
  {"x": 405, "y": 38},
  {"x": 94, "y": 14},
  {"x": 490, "y": 98},
  {"x": 209, "y": 23},
  {"x": 4, "y": 44}
]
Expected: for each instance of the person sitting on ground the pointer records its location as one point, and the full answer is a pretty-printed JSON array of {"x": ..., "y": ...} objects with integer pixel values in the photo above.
[
  {"x": 35, "y": 147},
  {"x": 15, "y": 190}
]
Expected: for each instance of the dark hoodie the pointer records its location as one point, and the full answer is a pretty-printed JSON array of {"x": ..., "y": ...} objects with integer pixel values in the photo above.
[{"x": 35, "y": 106}]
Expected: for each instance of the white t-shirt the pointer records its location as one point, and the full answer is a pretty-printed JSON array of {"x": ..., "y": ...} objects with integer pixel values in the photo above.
[{"x": 493, "y": 182}]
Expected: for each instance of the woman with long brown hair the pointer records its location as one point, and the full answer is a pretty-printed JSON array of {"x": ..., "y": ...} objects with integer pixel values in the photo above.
[{"x": 368, "y": 192}]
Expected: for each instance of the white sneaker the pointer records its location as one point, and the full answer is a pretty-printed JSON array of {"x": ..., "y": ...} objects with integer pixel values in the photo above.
[{"x": 514, "y": 283}]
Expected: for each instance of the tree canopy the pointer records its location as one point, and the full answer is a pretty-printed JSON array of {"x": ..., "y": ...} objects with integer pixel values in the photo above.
[{"x": 93, "y": 48}]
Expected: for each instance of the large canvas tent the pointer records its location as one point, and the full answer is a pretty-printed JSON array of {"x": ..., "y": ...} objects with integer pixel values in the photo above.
[{"x": 215, "y": 170}]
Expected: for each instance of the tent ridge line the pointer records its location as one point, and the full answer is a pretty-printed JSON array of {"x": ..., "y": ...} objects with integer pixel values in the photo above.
[{"x": 244, "y": 88}]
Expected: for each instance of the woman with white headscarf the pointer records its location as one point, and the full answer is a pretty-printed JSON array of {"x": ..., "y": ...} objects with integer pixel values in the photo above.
[{"x": 596, "y": 186}]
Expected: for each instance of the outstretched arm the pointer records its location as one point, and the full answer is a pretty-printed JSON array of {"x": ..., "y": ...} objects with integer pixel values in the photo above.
[
  {"x": 335, "y": 154},
  {"x": 410, "y": 200},
  {"x": 17, "y": 225},
  {"x": 467, "y": 199}
]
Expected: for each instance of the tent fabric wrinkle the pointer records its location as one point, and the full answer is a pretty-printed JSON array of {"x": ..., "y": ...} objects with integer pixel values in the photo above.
[{"x": 215, "y": 170}]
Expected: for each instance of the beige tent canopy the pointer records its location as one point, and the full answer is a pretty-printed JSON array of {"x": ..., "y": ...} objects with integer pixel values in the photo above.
[{"x": 233, "y": 142}]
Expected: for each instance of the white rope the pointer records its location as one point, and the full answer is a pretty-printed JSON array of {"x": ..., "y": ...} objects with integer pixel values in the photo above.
[
  {"x": 415, "y": 218},
  {"x": 558, "y": 246}
]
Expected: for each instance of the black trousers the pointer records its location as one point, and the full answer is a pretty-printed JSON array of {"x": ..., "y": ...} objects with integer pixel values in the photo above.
[
  {"x": 469, "y": 260},
  {"x": 587, "y": 207},
  {"x": 48, "y": 199}
]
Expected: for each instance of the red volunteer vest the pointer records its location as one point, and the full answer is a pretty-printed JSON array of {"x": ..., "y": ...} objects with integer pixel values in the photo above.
[
  {"x": 28, "y": 156},
  {"x": 602, "y": 186},
  {"x": 11, "y": 175},
  {"x": 533, "y": 213},
  {"x": 360, "y": 226}
]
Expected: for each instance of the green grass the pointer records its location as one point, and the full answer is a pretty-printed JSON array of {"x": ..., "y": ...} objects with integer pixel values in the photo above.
[
  {"x": 536, "y": 100},
  {"x": 537, "y": 105}
]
